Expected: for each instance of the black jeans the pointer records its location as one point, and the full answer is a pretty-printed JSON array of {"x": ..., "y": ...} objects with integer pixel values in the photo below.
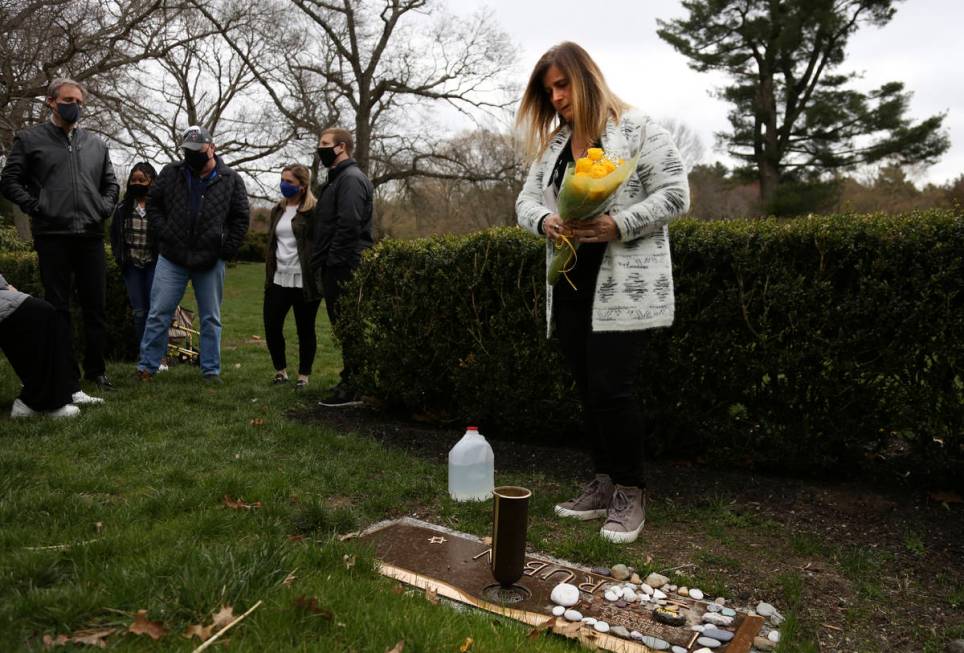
[
  {"x": 277, "y": 302},
  {"x": 64, "y": 261},
  {"x": 604, "y": 365},
  {"x": 35, "y": 340},
  {"x": 333, "y": 279}
]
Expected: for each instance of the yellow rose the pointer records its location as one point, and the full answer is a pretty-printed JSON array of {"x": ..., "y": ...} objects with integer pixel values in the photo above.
[
  {"x": 594, "y": 153},
  {"x": 583, "y": 165}
]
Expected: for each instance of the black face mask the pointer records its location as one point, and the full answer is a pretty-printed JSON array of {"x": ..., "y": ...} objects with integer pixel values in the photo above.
[
  {"x": 137, "y": 190},
  {"x": 69, "y": 113},
  {"x": 195, "y": 160},
  {"x": 327, "y": 156}
]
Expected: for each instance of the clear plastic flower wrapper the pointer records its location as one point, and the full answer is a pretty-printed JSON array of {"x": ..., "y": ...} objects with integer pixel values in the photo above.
[{"x": 587, "y": 190}]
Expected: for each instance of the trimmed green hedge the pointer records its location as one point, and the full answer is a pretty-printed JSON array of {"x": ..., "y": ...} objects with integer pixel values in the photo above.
[
  {"x": 20, "y": 269},
  {"x": 820, "y": 340}
]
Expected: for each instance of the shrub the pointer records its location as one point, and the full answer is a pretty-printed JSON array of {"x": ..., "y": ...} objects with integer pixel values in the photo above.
[
  {"x": 815, "y": 341},
  {"x": 254, "y": 247},
  {"x": 21, "y": 270}
]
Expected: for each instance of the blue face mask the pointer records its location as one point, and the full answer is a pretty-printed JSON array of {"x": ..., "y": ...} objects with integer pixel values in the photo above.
[
  {"x": 69, "y": 113},
  {"x": 289, "y": 190}
]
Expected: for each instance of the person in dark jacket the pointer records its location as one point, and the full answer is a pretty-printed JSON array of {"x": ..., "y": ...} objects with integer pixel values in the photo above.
[
  {"x": 61, "y": 176},
  {"x": 197, "y": 212},
  {"x": 132, "y": 245},
  {"x": 32, "y": 336},
  {"x": 343, "y": 230},
  {"x": 289, "y": 279}
]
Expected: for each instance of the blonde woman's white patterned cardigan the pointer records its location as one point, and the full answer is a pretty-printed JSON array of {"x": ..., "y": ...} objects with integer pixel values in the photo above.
[{"x": 634, "y": 289}]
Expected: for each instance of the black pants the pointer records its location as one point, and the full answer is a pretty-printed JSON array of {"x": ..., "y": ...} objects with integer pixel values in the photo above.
[
  {"x": 277, "y": 302},
  {"x": 35, "y": 340},
  {"x": 604, "y": 365},
  {"x": 64, "y": 261},
  {"x": 333, "y": 279}
]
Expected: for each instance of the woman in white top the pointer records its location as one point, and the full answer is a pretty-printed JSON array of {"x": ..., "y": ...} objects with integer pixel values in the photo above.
[{"x": 289, "y": 280}]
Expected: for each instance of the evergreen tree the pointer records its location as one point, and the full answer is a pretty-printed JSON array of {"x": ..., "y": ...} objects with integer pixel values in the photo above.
[{"x": 792, "y": 115}]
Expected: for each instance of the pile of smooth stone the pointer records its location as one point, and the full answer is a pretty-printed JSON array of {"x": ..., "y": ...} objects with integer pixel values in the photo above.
[{"x": 657, "y": 594}]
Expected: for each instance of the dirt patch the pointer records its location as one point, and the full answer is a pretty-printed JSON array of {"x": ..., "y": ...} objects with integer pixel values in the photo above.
[{"x": 864, "y": 565}]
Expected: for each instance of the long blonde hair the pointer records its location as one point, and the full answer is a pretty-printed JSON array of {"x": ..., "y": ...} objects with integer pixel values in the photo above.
[
  {"x": 303, "y": 175},
  {"x": 592, "y": 102}
]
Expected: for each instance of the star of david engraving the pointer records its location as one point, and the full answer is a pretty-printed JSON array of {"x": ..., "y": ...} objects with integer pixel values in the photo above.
[{"x": 437, "y": 540}]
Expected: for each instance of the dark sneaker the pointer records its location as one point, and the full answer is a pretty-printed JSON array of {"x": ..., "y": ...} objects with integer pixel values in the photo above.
[
  {"x": 340, "y": 396},
  {"x": 103, "y": 382},
  {"x": 593, "y": 501},
  {"x": 214, "y": 379},
  {"x": 626, "y": 515}
]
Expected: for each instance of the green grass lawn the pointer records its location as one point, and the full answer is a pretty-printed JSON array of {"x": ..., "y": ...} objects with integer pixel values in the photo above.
[{"x": 123, "y": 510}]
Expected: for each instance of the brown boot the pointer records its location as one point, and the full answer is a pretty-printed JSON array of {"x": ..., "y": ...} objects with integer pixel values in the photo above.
[
  {"x": 593, "y": 501},
  {"x": 626, "y": 515}
]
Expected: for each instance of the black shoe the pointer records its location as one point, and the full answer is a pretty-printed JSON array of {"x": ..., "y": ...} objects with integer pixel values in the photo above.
[
  {"x": 214, "y": 379},
  {"x": 340, "y": 396},
  {"x": 103, "y": 382}
]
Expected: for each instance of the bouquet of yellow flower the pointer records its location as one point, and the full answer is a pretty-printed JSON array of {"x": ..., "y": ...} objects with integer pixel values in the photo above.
[{"x": 586, "y": 190}]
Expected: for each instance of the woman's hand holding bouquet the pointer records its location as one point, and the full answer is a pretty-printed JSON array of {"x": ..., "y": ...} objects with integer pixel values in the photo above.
[{"x": 587, "y": 189}]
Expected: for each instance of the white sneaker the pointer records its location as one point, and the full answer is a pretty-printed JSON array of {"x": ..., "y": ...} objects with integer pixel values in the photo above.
[
  {"x": 21, "y": 409},
  {"x": 80, "y": 398},
  {"x": 162, "y": 368},
  {"x": 67, "y": 410}
]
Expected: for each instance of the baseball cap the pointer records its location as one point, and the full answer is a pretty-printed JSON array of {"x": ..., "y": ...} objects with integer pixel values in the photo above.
[{"x": 195, "y": 137}]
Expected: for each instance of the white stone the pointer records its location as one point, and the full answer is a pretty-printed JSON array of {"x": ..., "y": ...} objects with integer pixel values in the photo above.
[
  {"x": 655, "y": 580},
  {"x": 696, "y": 594},
  {"x": 776, "y": 618},
  {"x": 697, "y": 628},
  {"x": 573, "y": 615},
  {"x": 647, "y": 588},
  {"x": 717, "y": 619},
  {"x": 565, "y": 595},
  {"x": 589, "y": 621},
  {"x": 774, "y": 636},
  {"x": 719, "y": 600},
  {"x": 654, "y": 643},
  {"x": 703, "y": 650},
  {"x": 713, "y": 607},
  {"x": 728, "y": 612},
  {"x": 670, "y": 588},
  {"x": 678, "y": 649},
  {"x": 558, "y": 610},
  {"x": 709, "y": 642},
  {"x": 629, "y": 596},
  {"x": 659, "y": 595},
  {"x": 632, "y": 586},
  {"x": 765, "y": 609},
  {"x": 601, "y": 626},
  {"x": 636, "y": 635},
  {"x": 611, "y": 596}
]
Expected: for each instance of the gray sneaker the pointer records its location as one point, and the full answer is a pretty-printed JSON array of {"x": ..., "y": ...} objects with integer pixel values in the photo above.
[
  {"x": 626, "y": 515},
  {"x": 593, "y": 501}
]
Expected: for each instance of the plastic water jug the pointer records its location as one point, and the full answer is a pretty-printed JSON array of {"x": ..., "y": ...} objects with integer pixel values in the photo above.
[{"x": 471, "y": 468}]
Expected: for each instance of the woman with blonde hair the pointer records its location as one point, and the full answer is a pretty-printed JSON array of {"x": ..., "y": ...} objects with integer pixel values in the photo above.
[
  {"x": 621, "y": 283},
  {"x": 289, "y": 279}
]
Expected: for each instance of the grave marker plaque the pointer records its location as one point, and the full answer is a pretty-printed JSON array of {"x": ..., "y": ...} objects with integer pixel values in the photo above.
[{"x": 457, "y": 566}]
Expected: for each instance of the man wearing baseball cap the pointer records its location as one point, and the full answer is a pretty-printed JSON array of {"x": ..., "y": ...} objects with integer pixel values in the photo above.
[{"x": 198, "y": 212}]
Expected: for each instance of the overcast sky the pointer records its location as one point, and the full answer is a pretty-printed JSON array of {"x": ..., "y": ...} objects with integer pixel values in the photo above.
[{"x": 918, "y": 47}]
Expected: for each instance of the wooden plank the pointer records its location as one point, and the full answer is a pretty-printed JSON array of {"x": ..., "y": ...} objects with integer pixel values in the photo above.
[{"x": 742, "y": 640}]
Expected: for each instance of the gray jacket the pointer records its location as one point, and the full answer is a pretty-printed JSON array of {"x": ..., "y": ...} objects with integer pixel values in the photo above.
[
  {"x": 66, "y": 186},
  {"x": 10, "y": 300}
]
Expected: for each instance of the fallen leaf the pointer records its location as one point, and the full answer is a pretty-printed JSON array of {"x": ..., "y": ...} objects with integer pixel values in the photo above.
[
  {"x": 310, "y": 604},
  {"x": 466, "y": 645},
  {"x": 537, "y": 631},
  {"x": 257, "y": 421},
  {"x": 203, "y": 633},
  {"x": 98, "y": 527},
  {"x": 296, "y": 538},
  {"x": 92, "y": 637},
  {"x": 289, "y": 579},
  {"x": 144, "y": 626},
  {"x": 223, "y": 617},
  {"x": 256, "y": 337},
  {"x": 398, "y": 589},
  {"x": 239, "y": 504},
  {"x": 945, "y": 497},
  {"x": 431, "y": 595},
  {"x": 50, "y": 642},
  {"x": 349, "y": 561},
  {"x": 398, "y": 648}
]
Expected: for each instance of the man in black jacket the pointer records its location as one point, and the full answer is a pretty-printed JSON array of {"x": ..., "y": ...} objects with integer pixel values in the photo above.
[
  {"x": 61, "y": 176},
  {"x": 197, "y": 212},
  {"x": 343, "y": 230}
]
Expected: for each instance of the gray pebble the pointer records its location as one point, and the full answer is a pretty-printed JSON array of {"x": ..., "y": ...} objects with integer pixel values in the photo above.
[
  {"x": 654, "y": 643},
  {"x": 713, "y": 607},
  {"x": 765, "y": 609},
  {"x": 728, "y": 612},
  {"x": 573, "y": 615},
  {"x": 678, "y": 649},
  {"x": 716, "y": 633},
  {"x": 620, "y": 572},
  {"x": 600, "y": 571},
  {"x": 708, "y": 642},
  {"x": 619, "y": 631}
]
